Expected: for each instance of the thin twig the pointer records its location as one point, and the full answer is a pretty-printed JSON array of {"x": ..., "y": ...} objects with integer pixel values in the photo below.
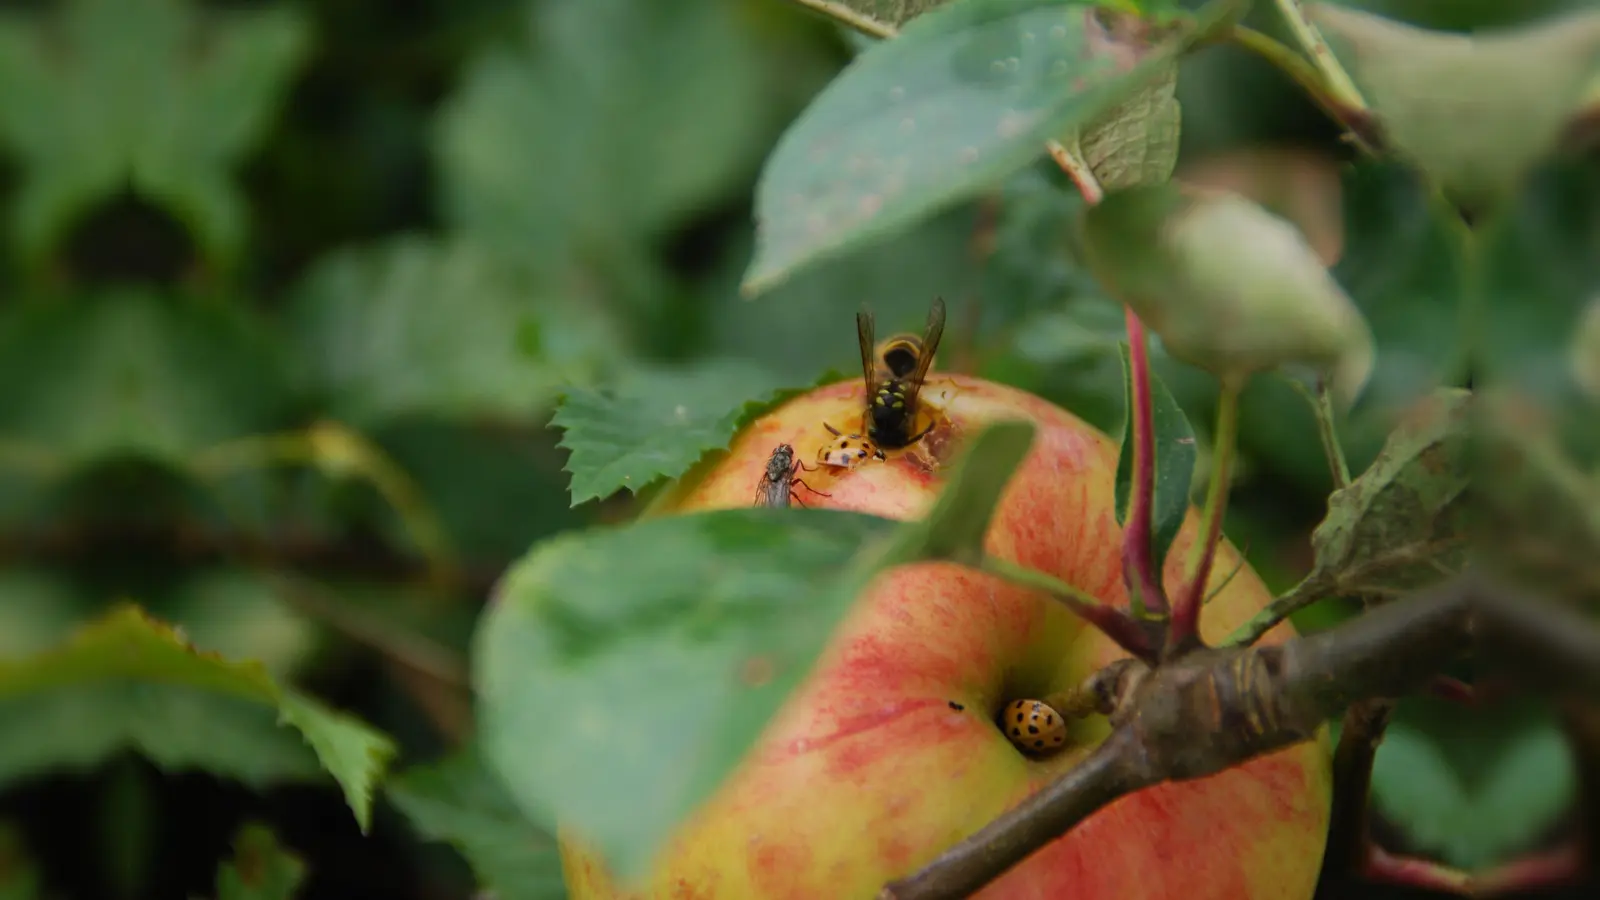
[
  {"x": 1103, "y": 776},
  {"x": 1246, "y": 701},
  {"x": 1349, "y": 835}
]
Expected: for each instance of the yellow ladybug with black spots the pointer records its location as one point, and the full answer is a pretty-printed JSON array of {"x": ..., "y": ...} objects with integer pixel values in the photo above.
[{"x": 1033, "y": 726}]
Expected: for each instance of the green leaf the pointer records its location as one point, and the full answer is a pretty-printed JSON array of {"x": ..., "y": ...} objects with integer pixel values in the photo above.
[
  {"x": 261, "y": 868},
  {"x": 957, "y": 525},
  {"x": 579, "y": 144},
  {"x": 1475, "y": 112},
  {"x": 130, "y": 373},
  {"x": 712, "y": 621},
  {"x": 461, "y": 802},
  {"x": 965, "y": 96},
  {"x": 654, "y": 423},
  {"x": 1403, "y": 265},
  {"x": 38, "y": 608},
  {"x": 240, "y": 614},
  {"x": 715, "y": 619},
  {"x": 417, "y": 327},
  {"x": 19, "y": 877},
  {"x": 1540, "y": 273},
  {"x": 1228, "y": 287},
  {"x": 126, "y": 680},
  {"x": 1176, "y": 453},
  {"x": 1137, "y": 141},
  {"x": 879, "y": 18},
  {"x": 1474, "y": 787},
  {"x": 149, "y": 93}
]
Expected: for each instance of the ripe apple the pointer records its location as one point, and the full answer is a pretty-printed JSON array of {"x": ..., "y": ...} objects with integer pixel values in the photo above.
[{"x": 889, "y": 753}]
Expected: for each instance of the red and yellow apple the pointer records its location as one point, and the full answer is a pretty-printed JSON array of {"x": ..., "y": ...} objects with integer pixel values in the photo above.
[{"x": 889, "y": 753}]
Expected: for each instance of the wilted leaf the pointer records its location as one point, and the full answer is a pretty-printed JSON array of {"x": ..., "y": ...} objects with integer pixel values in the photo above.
[
  {"x": 126, "y": 681},
  {"x": 131, "y": 373},
  {"x": 1176, "y": 452},
  {"x": 261, "y": 869},
  {"x": 1228, "y": 286},
  {"x": 656, "y": 423},
  {"x": 155, "y": 94},
  {"x": 1474, "y": 787},
  {"x": 414, "y": 327},
  {"x": 712, "y": 621},
  {"x": 1137, "y": 141},
  {"x": 1475, "y": 112},
  {"x": 1403, "y": 524},
  {"x": 963, "y": 97},
  {"x": 461, "y": 802}
]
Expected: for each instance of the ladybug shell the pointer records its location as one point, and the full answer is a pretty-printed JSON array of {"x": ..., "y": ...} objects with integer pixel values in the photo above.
[
  {"x": 848, "y": 451},
  {"x": 1033, "y": 726}
]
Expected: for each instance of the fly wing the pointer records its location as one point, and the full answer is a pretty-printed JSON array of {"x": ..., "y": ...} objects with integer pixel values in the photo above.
[{"x": 930, "y": 345}]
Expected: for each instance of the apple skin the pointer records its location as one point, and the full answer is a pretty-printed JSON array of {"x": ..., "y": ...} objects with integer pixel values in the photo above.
[{"x": 870, "y": 769}]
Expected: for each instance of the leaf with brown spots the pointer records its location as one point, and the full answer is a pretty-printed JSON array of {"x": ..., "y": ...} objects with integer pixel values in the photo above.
[
  {"x": 1402, "y": 525},
  {"x": 963, "y": 97}
]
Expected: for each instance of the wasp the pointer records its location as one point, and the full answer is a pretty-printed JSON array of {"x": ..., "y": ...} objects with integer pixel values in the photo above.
[
  {"x": 779, "y": 478},
  {"x": 894, "y": 377}
]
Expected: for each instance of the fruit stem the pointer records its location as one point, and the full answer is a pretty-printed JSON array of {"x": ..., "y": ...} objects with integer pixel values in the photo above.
[
  {"x": 1138, "y": 561},
  {"x": 1321, "y": 402},
  {"x": 1129, "y": 633},
  {"x": 1183, "y": 634}
]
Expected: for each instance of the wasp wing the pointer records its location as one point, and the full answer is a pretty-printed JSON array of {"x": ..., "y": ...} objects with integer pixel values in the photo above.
[
  {"x": 930, "y": 345},
  {"x": 869, "y": 367}
]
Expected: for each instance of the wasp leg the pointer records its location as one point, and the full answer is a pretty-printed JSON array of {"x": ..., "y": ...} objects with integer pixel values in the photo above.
[
  {"x": 801, "y": 481},
  {"x": 921, "y": 434},
  {"x": 836, "y": 432}
]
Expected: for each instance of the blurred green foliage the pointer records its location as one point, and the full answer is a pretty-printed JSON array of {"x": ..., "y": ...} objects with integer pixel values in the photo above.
[{"x": 289, "y": 293}]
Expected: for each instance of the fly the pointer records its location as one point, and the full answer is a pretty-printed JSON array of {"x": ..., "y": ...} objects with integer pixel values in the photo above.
[{"x": 776, "y": 487}]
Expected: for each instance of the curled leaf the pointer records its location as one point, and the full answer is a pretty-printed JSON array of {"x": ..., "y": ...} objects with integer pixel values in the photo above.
[
  {"x": 1229, "y": 287},
  {"x": 1475, "y": 112}
]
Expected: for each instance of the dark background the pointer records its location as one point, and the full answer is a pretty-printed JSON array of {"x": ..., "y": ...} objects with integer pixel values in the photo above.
[{"x": 446, "y": 210}]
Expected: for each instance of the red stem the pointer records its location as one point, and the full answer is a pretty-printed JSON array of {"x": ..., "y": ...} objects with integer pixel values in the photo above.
[
  {"x": 1386, "y": 868},
  {"x": 1557, "y": 868},
  {"x": 1138, "y": 559},
  {"x": 1128, "y": 632}
]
